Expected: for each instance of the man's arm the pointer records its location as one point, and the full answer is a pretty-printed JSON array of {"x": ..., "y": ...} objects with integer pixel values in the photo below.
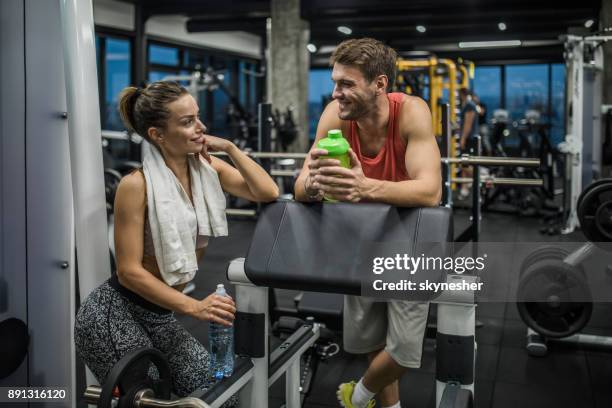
[
  {"x": 422, "y": 160},
  {"x": 305, "y": 188}
]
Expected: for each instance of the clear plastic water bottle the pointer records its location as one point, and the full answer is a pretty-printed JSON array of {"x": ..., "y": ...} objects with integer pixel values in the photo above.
[{"x": 221, "y": 339}]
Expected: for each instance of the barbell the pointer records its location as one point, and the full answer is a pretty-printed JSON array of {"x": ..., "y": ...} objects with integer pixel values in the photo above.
[{"x": 464, "y": 160}]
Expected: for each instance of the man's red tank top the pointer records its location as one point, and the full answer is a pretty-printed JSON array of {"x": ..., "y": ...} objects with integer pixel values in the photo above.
[{"x": 389, "y": 164}]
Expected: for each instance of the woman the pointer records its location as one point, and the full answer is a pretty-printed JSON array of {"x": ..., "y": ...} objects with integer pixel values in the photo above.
[{"x": 171, "y": 205}]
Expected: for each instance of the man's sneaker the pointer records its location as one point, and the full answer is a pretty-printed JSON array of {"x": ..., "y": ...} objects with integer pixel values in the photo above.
[{"x": 345, "y": 393}]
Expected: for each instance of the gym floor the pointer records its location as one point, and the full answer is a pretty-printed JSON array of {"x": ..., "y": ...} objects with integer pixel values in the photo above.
[{"x": 505, "y": 375}]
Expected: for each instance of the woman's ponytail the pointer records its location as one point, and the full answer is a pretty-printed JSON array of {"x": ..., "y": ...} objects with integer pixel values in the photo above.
[{"x": 127, "y": 103}]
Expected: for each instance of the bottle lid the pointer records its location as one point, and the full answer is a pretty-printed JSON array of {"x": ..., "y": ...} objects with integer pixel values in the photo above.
[
  {"x": 334, "y": 133},
  {"x": 220, "y": 290},
  {"x": 334, "y": 143}
]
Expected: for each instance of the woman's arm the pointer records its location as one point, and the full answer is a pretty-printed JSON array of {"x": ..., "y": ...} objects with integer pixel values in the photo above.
[
  {"x": 130, "y": 204},
  {"x": 248, "y": 179}
]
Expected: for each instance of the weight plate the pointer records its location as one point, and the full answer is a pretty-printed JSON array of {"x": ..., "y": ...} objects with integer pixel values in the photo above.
[
  {"x": 544, "y": 252},
  {"x": 590, "y": 187},
  {"x": 132, "y": 370},
  {"x": 595, "y": 211},
  {"x": 14, "y": 341},
  {"x": 554, "y": 298}
]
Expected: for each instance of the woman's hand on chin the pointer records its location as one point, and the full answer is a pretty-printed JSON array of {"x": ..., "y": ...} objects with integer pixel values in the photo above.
[{"x": 215, "y": 144}]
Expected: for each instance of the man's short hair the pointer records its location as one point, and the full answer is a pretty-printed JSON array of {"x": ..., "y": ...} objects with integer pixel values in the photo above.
[
  {"x": 464, "y": 91},
  {"x": 370, "y": 56}
]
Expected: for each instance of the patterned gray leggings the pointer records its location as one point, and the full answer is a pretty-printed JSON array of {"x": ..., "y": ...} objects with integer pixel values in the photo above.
[{"x": 108, "y": 326}]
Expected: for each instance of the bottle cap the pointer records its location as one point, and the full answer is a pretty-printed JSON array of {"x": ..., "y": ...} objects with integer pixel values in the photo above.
[
  {"x": 334, "y": 133},
  {"x": 334, "y": 143}
]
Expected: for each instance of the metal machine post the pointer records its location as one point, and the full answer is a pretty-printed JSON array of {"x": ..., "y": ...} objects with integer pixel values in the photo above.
[
  {"x": 455, "y": 339},
  {"x": 253, "y": 300}
]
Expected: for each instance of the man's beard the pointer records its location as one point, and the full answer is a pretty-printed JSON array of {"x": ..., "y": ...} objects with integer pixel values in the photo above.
[{"x": 358, "y": 108}]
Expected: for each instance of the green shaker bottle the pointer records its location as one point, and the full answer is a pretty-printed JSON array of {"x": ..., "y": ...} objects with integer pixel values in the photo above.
[{"x": 337, "y": 148}]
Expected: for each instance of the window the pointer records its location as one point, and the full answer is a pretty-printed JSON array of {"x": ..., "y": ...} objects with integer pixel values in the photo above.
[
  {"x": 220, "y": 120},
  {"x": 243, "y": 79},
  {"x": 487, "y": 85},
  {"x": 527, "y": 89},
  {"x": 255, "y": 83},
  {"x": 195, "y": 59},
  {"x": 249, "y": 77},
  {"x": 114, "y": 64},
  {"x": 245, "y": 76},
  {"x": 320, "y": 88},
  {"x": 116, "y": 59},
  {"x": 159, "y": 54},
  {"x": 557, "y": 114},
  {"x": 518, "y": 88}
]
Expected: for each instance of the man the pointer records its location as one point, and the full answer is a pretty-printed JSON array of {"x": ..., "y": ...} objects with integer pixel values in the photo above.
[
  {"x": 395, "y": 160},
  {"x": 469, "y": 130},
  {"x": 483, "y": 127}
]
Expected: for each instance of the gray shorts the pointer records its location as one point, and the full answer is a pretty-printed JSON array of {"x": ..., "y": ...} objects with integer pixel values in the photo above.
[{"x": 398, "y": 326}]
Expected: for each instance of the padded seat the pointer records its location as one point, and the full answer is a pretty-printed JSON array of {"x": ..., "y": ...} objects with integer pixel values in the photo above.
[{"x": 329, "y": 247}]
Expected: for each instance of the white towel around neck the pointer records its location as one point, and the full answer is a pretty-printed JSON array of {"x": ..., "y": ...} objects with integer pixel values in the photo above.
[{"x": 173, "y": 240}]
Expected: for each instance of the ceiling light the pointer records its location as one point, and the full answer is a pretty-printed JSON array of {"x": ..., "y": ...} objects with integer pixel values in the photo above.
[
  {"x": 312, "y": 48},
  {"x": 501, "y": 26},
  {"x": 421, "y": 28},
  {"x": 490, "y": 44},
  {"x": 589, "y": 23},
  {"x": 345, "y": 30},
  {"x": 327, "y": 49}
]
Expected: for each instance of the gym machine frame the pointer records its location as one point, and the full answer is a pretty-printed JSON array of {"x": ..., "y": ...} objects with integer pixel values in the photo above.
[
  {"x": 456, "y": 322},
  {"x": 256, "y": 370},
  {"x": 435, "y": 85},
  {"x": 575, "y": 145}
]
